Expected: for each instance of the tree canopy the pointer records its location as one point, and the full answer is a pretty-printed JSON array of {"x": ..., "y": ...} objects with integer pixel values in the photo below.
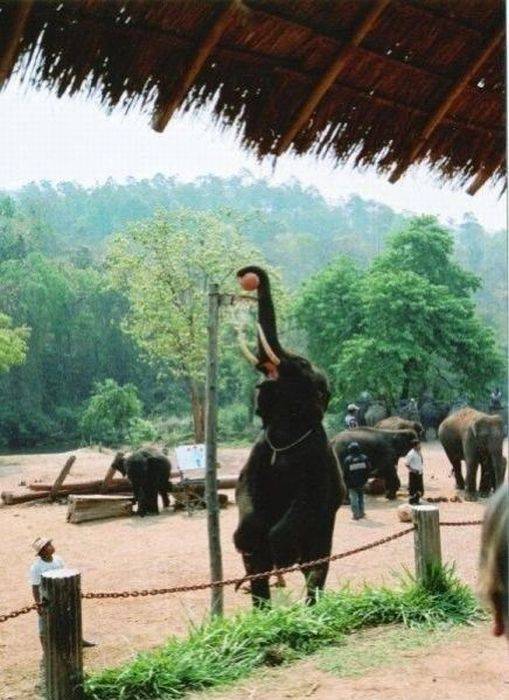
[
  {"x": 405, "y": 325},
  {"x": 164, "y": 267}
]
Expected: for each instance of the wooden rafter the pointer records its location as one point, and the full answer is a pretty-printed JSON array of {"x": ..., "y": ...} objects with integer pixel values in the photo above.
[
  {"x": 330, "y": 75},
  {"x": 484, "y": 175},
  {"x": 10, "y": 51},
  {"x": 446, "y": 105},
  {"x": 207, "y": 45}
]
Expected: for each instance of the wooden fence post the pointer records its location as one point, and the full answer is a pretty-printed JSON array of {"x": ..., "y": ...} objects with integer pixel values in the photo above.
[
  {"x": 63, "y": 655},
  {"x": 216, "y": 564},
  {"x": 426, "y": 540}
]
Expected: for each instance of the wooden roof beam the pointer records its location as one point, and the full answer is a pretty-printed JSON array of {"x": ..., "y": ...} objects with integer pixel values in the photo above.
[
  {"x": 446, "y": 105},
  {"x": 9, "y": 54},
  {"x": 330, "y": 75},
  {"x": 484, "y": 175},
  {"x": 207, "y": 45}
]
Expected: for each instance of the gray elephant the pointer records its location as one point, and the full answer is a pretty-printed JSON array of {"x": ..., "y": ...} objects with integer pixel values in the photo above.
[
  {"x": 476, "y": 438},
  {"x": 383, "y": 448},
  {"x": 376, "y": 412},
  {"x": 398, "y": 423}
]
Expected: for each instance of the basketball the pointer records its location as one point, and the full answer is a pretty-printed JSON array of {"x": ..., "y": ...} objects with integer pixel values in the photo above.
[{"x": 249, "y": 281}]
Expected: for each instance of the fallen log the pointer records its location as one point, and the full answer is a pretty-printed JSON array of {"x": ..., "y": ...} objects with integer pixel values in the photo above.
[
  {"x": 95, "y": 486},
  {"x": 10, "y": 499},
  {"x": 98, "y": 507},
  {"x": 223, "y": 483}
]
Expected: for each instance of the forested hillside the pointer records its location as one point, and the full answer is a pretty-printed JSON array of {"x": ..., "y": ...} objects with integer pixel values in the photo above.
[{"x": 59, "y": 296}]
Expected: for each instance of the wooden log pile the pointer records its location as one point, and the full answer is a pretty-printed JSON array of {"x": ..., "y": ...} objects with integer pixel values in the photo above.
[{"x": 97, "y": 507}]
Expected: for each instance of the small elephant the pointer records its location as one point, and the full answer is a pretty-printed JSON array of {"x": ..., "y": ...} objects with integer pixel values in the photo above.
[
  {"x": 149, "y": 472},
  {"x": 383, "y": 448},
  {"x": 476, "y": 438}
]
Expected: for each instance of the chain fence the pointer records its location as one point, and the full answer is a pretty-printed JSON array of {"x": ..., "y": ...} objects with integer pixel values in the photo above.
[{"x": 242, "y": 579}]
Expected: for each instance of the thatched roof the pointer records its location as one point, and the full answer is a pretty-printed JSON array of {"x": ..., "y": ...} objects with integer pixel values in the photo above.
[{"x": 391, "y": 82}]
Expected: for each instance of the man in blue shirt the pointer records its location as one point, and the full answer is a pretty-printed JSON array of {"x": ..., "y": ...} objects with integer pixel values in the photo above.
[{"x": 356, "y": 469}]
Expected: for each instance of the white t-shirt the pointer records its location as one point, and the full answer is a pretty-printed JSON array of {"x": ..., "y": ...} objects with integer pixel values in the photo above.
[
  {"x": 39, "y": 567},
  {"x": 414, "y": 461}
]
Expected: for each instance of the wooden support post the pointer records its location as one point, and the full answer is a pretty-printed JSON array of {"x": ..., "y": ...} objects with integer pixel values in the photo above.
[
  {"x": 61, "y": 477},
  {"x": 426, "y": 540},
  {"x": 108, "y": 478},
  {"x": 330, "y": 75},
  {"x": 447, "y": 103},
  {"x": 9, "y": 54},
  {"x": 63, "y": 657},
  {"x": 203, "y": 51},
  {"x": 211, "y": 495}
]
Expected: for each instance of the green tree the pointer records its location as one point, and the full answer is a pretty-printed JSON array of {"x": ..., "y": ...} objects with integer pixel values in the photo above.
[
  {"x": 111, "y": 413},
  {"x": 164, "y": 267},
  {"x": 13, "y": 343},
  {"x": 414, "y": 326}
]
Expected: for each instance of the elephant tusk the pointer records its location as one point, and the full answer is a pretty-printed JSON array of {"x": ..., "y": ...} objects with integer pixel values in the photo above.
[
  {"x": 270, "y": 352},
  {"x": 250, "y": 357}
]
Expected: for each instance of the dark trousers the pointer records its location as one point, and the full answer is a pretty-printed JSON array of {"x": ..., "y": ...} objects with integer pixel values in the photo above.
[
  {"x": 357, "y": 501},
  {"x": 415, "y": 487}
]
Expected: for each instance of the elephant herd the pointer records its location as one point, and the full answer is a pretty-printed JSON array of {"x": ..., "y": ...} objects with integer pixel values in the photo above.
[{"x": 291, "y": 486}]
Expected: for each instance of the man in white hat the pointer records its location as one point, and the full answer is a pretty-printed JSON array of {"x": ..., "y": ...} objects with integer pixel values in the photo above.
[
  {"x": 46, "y": 560},
  {"x": 351, "y": 420}
]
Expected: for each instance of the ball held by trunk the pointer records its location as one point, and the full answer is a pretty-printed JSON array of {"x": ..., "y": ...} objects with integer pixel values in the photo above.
[{"x": 249, "y": 281}]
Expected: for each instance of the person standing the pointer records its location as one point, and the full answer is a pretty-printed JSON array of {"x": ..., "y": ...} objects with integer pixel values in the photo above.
[
  {"x": 351, "y": 418},
  {"x": 356, "y": 468},
  {"x": 415, "y": 465}
]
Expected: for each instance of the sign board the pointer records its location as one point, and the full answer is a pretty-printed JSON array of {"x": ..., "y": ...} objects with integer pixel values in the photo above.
[{"x": 190, "y": 457}]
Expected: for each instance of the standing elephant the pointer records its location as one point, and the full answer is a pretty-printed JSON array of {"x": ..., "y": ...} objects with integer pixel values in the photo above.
[
  {"x": 476, "y": 438},
  {"x": 397, "y": 423},
  {"x": 291, "y": 487},
  {"x": 383, "y": 448},
  {"x": 149, "y": 472},
  {"x": 376, "y": 412}
]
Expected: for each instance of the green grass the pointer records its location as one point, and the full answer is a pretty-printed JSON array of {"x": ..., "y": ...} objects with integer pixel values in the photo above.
[{"x": 224, "y": 650}]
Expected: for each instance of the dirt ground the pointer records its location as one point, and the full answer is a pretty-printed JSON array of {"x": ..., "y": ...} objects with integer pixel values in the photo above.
[{"x": 171, "y": 549}]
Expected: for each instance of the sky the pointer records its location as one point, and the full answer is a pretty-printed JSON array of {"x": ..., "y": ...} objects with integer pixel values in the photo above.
[{"x": 46, "y": 138}]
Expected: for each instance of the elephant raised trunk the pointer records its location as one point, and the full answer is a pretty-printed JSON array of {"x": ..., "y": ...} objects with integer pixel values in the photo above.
[{"x": 269, "y": 347}]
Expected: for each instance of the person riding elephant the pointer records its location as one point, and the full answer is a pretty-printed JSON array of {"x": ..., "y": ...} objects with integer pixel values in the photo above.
[
  {"x": 289, "y": 490},
  {"x": 477, "y": 438},
  {"x": 397, "y": 423},
  {"x": 407, "y": 409},
  {"x": 149, "y": 472},
  {"x": 432, "y": 413},
  {"x": 383, "y": 448}
]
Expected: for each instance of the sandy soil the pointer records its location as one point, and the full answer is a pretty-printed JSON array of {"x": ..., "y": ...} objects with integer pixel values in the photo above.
[
  {"x": 171, "y": 549},
  {"x": 470, "y": 664}
]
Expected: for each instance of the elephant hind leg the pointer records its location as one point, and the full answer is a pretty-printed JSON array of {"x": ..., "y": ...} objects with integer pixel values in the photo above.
[{"x": 165, "y": 498}]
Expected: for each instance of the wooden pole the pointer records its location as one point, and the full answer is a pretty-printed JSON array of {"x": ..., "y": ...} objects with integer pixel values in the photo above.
[
  {"x": 61, "y": 477},
  {"x": 63, "y": 656},
  {"x": 426, "y": 540},
  {"x": 216, "y": 565}
]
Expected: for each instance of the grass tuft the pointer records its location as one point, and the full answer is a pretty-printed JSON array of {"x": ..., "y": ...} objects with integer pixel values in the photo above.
[{"x": 224, "y": 650}]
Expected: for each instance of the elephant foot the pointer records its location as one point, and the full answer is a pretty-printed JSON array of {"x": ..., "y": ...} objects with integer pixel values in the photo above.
[
  {"x": 470, "y": 496},
  {"x": 390, "y": 496},
  {"x": 484, "y": 494}
]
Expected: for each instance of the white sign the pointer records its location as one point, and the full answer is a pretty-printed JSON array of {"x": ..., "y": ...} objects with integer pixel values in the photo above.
[{"x": 190, "y": 457}]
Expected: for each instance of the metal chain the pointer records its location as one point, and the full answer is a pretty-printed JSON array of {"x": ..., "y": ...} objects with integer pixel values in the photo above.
[
  {"x": 17, "y": 613},
  {"x": 244, "y": 579}
]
